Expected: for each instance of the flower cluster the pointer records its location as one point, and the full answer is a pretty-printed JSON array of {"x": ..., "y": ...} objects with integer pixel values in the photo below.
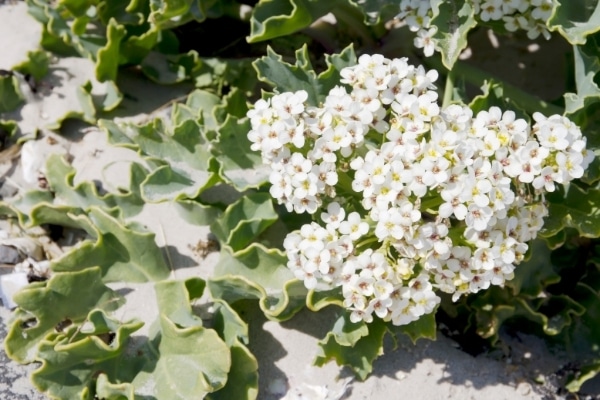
[
  {"x": 527, "y": 15},
  {"x": 417, "y": 198}
]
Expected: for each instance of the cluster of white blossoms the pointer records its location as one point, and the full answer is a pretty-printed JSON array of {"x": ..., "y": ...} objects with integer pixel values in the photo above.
[
  {"x": 412, "y": 198},
  {"x": 526, "y": 15}
]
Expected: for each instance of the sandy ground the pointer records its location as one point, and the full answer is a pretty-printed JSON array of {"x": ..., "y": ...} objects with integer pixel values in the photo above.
[{"x": 427, "y": 370}]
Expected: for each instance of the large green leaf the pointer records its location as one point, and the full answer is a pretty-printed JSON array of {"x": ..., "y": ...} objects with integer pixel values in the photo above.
[
  {"x": 534, "y": 275},
  {"x": 244, "y": 220},
  {"x": 453, "y": 19},
  {"x": 182, "y": 157},
  {"x": 61, "y": 176},
  {"x": 174, "y": 300},
  {"x": 353, "y": 345},
  {"x": 123, "y": 251},
  {"x": 242, "y": 381},
  {"x": 240, "y": 166},
  {"x": 258, "y": 273},
  {"x": 67, "y": 373},
  {"x": 573, "y": 207},
  {"x": 275, "y": 18},
  {"x": 67, "y": 296},
  {"x": 575, "y": 20},
  {"x": 192, "y": 361}
]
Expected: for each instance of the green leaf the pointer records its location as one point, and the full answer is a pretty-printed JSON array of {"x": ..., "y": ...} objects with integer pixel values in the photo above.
[
  {"x": 190, "y": 360},
  {"x": 330, "y": 78},
  {"x": 244, "y": 220},
  {"x": 36, "y": 64},
  {"x": 258, "y": 273},
  {"x": 453, "y": 19},
  {"x": 495, "y": 94},
  {"x": 228, "y": 324},
  {"x": 67, "y": 296},
  {"x": 193, "y": 362},
  {"x": 275, "y": 18},
  {"x": 317, "y": 300},
  {"x": 534, "y": 275},
  {"x": 573, "y": 207},
  {"x": 171, "y": 68},
  {"x": 495, "y": 306},
  {"x": 182, "y": 157},
  {"x": 587, "y": 66},
  {"x": 346, "y": 332},
  {"x": 166, "y": 14},
  {"x": 10, "y": 93},
  {"x": 290, "y": 78},
  {"x": 242, "y": 381},
  {"x": 123, "y": 251},
  {"x": 575, "y": 20},
  {"x": 61, "y": 176},
  {"x": 117, "y": 391},
  {"x": 197, "y": 213},
  {"x": 349, "y": 345},
  {"x": 239, "y": 166},
  {"x": 587, "y": 372},
  {"x": 66, "y": 371},
  {"x": 423, "y": 328},
  {"x": 174, "y": 299},
  {"x": 107, "y": 62}
]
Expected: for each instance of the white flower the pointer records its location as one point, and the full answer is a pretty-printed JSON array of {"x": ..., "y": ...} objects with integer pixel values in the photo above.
[
  {"x": 334, "y": 215},
  {"x": 424, "y": 40},
  {"x": 354, "y": 226}
]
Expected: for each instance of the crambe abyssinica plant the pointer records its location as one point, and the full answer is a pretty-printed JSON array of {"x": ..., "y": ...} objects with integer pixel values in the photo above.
[{"x": 408, "y": 199}]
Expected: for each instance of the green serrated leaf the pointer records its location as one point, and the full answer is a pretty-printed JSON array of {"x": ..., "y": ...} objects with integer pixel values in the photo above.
[
  {"x": 193, "y": 362},
  {"x": 330, "y": 78},
  {"x": 67, "y": 373},
  {"x": 113, "y": 391},
  {"x": 423, "y": 328},
  {"x": 107, "y": 62},
  {"x": 242, "y": 381},
  {"x": 182, "y": 157},
  {"x": 317, "y": 300},
  {"x": 61, "y": 176},
  {"x": 586, "y": 65},
  {"x": 174, "y": 299},
  {"x": 573, "y": 207},
  {"x": 453, "y": 19},
  {"x": 353, "y": 347},
  {"x": 169, "y": 13},
  {"x": 228, "y": 324},
  {"x": 275, "y": 18},
  {"x": 534, "y": 275},
  {"x": 48, "y": 305},
  {"x": 123, "y": 252},
  {"x": 10, "y": 93},
  {"x": 495, "y": 94},
  {"x": 258, "y": 273},
  {"x": 197, "y": 213},
  {"x": 575, "y": 20},
  {"x": 240, "y": 166},
  {"x": 244, "y": 220},
  {"x": 36, "y": 64},
  {"x": 290, "y": 78}
]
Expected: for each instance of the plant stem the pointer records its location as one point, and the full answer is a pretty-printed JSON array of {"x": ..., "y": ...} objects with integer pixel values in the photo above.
[{"x": 448, "y": 95}]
